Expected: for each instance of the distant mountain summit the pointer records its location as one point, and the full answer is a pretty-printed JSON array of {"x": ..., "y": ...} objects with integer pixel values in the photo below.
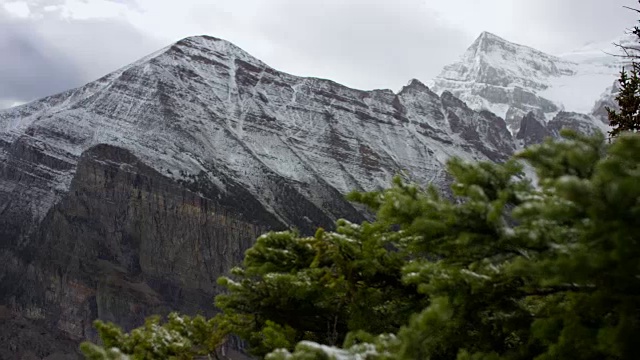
[
  {"x": 512, "y": 80},
  {"x": 496, "y": 61}
]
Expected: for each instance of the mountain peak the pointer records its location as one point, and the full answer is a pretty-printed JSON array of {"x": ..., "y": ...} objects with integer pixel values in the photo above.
[
  {"x": 485, "y": 35},
  {"x": 206, "y": 41},
  {"x": 200, "y": 38},
  {"x": 503, "y": 77},
  {"x": 415, "y": 84},
  {"x": 489, "y": 43},
  {"x": 206, "y": 46}
]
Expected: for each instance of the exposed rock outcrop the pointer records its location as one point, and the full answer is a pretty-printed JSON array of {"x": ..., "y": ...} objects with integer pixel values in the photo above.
[
  {"x": 582, "y": 123},
  {"x": 126, "y": 242},
  {"x": 607, "y": 100},
  {"x": 532, "y": 131}
]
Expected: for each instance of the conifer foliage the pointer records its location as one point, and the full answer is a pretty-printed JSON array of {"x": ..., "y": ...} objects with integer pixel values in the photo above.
[
  {"x": 627, "y": 118},
  {"x": 520, "y": 272},
  {"x": 628, "y": 99},
  {"x": 505, "y": 269}
]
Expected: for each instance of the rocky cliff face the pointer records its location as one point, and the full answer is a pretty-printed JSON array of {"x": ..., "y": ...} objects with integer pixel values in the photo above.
[
  {"x": 132, "y": 194},
  {"x": 532, "y": 131},
  {"x": 125, "y": 242}
]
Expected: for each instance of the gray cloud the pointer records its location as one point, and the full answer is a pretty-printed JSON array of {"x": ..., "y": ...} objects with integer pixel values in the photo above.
[
  {"x": 363, "y": 44},
  {"x": 29, "y": 66},
  {"x": 48, "y": 54},
  {"x": 7, "y": 103},
  {"x": 377, "y": 44},
  {"x": 557, "y": 25}
]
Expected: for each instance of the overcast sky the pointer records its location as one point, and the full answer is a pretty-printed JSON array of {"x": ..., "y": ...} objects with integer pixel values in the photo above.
[{"x": 47, "y": 46}]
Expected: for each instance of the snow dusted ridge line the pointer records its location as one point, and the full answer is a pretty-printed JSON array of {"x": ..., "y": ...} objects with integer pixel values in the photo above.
[{"x": 203, "y": 107}]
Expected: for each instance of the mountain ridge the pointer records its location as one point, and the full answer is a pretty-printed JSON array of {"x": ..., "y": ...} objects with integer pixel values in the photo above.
[{"x": 130, "y": 195}]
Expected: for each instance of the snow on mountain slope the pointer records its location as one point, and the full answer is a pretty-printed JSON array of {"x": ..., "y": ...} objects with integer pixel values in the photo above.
[
  {"x": 493, "y": 60},
  {"x": 512, "y": 80},
  {"x": 205, "y": 107},
  {"x": 597, "y": 66},
  {"x": 602, "y": 53},
  {"x": 579, "y": 92}
]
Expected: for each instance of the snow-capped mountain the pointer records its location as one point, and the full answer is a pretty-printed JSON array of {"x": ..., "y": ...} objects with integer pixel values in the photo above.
[
  {"x": 203, "y": 103},
  {"x": 132, "y": 194},
  {"x": 512, "y": 80}
]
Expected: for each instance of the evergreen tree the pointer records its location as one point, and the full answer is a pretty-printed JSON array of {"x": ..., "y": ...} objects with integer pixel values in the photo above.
[
  {"x": 627, "y": 118},
  {"x": 521, "y": 272},
  {"x": 628, "y": 100},
  {"x": 504, "y": 270},
  {"x": 179, "y": 337},
  {"x": 319, "y": 288}
]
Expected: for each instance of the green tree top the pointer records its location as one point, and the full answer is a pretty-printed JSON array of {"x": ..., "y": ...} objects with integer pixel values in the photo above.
[
  {"x": 514, "y": 271},
  {"x": 504, "y": 270}
]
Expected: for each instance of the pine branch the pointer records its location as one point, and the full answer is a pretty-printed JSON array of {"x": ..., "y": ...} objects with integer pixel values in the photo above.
[
  {"x": 632, "y": 9},
  {"x": 560, "y": 289}
]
